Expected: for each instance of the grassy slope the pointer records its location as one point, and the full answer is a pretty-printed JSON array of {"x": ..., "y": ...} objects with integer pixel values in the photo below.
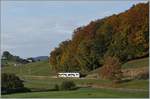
[
  {"x": 48, "y": 83},
  {"x": 136, "y": 84},
  {"x": 41, "y": 68},
  {"x": 8, "y": 63},
  {"x": 144, "y": 62},
  {"x": 45, "y": 83}
]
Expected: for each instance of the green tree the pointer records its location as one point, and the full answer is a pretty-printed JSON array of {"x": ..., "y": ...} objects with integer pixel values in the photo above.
[
  {"x": 11, "y": 83},
  {"x": 7, "y": 55}
]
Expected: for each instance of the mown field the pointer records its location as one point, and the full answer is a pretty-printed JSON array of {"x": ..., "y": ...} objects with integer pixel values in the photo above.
[
  {"x": 37, "y": 77},
  {"x": 48, "y": 83},
  {"x": 41, "y": 88},
  {"x": 81, "y": 93},
  {"x": 41, "y": 68}
]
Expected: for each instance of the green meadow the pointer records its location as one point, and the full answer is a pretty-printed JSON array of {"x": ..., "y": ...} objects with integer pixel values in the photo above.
[
  {"x": 41, "y": 83},
  {"x": 81, "y": 93}
]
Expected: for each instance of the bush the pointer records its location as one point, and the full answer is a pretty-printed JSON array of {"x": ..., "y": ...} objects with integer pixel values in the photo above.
[
  {"x": 83, "y": 75},
  {"x": 56, "y": 87},
  {"x": 11, "y": 83},
  {"x": 111, "y": 69},
  {"x": 67, "y": 85}
]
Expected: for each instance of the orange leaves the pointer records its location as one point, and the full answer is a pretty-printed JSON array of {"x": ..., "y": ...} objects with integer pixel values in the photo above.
[
  {"x": 111, "y": 69},
  {"x": 124, "y": 35}
]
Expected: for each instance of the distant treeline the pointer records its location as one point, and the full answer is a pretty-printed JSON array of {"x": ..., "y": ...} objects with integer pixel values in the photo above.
[
  {"x": 7, "y": 56},
  {"x": 125, "y": 36}
]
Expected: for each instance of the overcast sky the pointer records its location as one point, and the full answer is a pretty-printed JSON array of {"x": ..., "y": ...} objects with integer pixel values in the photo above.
[{"x": 34, "y": 28}]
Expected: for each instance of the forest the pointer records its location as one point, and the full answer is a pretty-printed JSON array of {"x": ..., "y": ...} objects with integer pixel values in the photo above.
[{"x": 124, "y": 36}]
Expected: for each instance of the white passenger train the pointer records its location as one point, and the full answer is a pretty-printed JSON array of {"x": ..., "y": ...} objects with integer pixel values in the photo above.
[{"x": 69, "y": 74}]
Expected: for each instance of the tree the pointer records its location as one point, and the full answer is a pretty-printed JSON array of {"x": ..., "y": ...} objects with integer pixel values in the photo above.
[
  {"x": 124, "y": 35},
  {"x": 111, "y": 69},
  {"x": 12, "y": 83},
  {"x": 7, "y": 55},
  {"x": 88, "y": 54}
]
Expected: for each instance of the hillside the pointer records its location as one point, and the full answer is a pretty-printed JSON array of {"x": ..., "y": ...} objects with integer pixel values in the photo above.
[
  {"x": 8, "y": 59},
  {"x": 132, "y": 65},
  {"x": 42, "y": 68},
  {"x": 40, "y": 58},
  {"x": 40, "y": 82},
  {"x": 124, "y": 36},
  {"x": 144, "y": 62}
]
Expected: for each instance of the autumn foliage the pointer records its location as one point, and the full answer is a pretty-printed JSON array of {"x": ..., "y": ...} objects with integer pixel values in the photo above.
[
  {"x": 125, "y": 35},
  {"x": 111, "y": 69}
]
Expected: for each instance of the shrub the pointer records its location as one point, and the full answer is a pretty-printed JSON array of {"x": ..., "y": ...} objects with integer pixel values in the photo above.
[
  {"x": 11, "y": 83},
  {"x": 82, "y": 74},
  {"x": 67, "y": 85},
  {"x": 56, "y": 87},
  {"x": 111, "y": 69}
]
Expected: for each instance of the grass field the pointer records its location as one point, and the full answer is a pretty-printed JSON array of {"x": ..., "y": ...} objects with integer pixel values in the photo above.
[
  {"x": 41, "y": 86},
  {"x": 41, "y": 68},
  {"x": 48, "y": 83},
  {"x": 37, "y": 77},
  {"x": 137, "y": 63},
  {"x": 81, "y": 93},
  {"x": 136, "y": 84}
]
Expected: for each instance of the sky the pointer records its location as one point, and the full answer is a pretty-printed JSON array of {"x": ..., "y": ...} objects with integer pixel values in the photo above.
[{"x": 35, "y": 28}]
